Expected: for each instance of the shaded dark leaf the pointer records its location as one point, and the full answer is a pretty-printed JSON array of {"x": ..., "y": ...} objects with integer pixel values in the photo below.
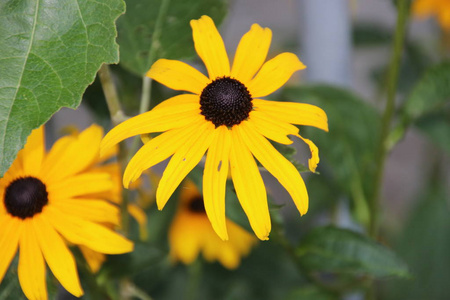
[{"x": 340, "y": 251}]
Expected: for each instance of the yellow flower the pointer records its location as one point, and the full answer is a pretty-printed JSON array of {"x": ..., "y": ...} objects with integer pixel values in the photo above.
[
  {"x": 191, "y": 233},
  {"x": 439, "y": 8},
  {"x": 224, "y": 115},
  {"x": 47, "y": 198}
]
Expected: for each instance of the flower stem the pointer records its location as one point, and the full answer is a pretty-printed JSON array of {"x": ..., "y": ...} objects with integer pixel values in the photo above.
[
  {"x": 112, "y": 100},
  {"x": 147, "y": 81},
  {"x": 117, "y": 116},
  {"x": 393, "y": 74}
]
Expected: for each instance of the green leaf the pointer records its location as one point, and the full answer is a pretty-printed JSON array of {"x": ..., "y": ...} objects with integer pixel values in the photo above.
[
  {"x": 348, "y": 149},
  {"x": 430, "y": 94},
  {"x": 437, "y": 128},
  {"x": 425, "y": 245},
  {"x": 51, "y": 51},
  {"x": 341, "y": 251},
  {"x": 160, "y": 29}
]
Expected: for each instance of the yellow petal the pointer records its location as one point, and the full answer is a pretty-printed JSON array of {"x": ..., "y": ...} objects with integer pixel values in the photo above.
[
  {"x": 277, "y": 165},
  {"x": 141, "y": 218},
  {"x": 249, "y": 185},
  {"x": 94, "y": 259},
  {"x": 314, "y": 160},
  {"x": 94, "y": 210},
  {"x": 157, "y": 150},
  {"x": 183, "y": 161},
  {"x": 210, "y": 47},
  {"x": 31, "y": 264},
  {"x": 274, "y": 74},
  {"x": 77, "y": 154},
  {"x": 33, "y": 153},
  {"x": 215, "y": 178},
  {"x": 58, "y": 257},
  {"x": 251, "y": 53},
  {"x": 179, "y": 100},
  {"x": 11, "y": 229},
  {"x": 80, "y": 185},
  {"x": 92, "y": 235},
  {"x": 275, "y": 130},
  {"x": 295, "y": 113},
  {"x": 178, "y": 76},
  {"x": 159, "y": 120}
]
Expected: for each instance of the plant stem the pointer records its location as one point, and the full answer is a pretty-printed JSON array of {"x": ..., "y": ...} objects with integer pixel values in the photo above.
[
  {"x": 117, "y": 116},
  {"x": 147, "y": 81},
  {"x": 112, "y": 100},
  {"x": 195, "y": 274},
  {"x": 393, "y": 74}
]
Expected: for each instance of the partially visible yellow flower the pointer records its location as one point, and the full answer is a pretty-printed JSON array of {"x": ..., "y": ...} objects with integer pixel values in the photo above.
[
  {"x": 47, "y": 198},
  {"x": 191, "y": 234},
  {"x": 437, "y": 8},
  {"x": 224, "y": 115},
  {"x": 108, "y": 164}
]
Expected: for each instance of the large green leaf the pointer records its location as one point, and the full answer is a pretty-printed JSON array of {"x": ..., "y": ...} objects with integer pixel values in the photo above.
[
  {"x": 341, "y": 251},
  {"x": 160, "y": 29},
  {"x": 50, "y": 52},
  {"x": 347, "y": 150}
]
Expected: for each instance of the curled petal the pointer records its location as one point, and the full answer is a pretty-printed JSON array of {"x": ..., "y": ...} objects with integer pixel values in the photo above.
[{"x": 278, "y": 166}]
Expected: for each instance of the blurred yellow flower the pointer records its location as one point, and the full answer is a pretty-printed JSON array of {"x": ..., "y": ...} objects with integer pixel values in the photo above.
[
  {"x": 191, "y": 234},
  {"x": 225, "y": 116},
  {"x": 437, "y": 8},
  {"x": 47, "y": 198}
]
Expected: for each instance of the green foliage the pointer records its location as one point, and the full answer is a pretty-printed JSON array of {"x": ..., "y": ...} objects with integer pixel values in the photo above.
[
  {"x": 310, "y": 293},
  {"x": 341, "y": 251},
  {"x": 437, "y": 128},
  {"x": 425, "y": 245},
  {"x": 143, "y": 39},
  {"x": 430, "y": 94},
  {"x": 346, "y": 151},
  {"x": 428, "y": 106},
  {"x": 50, "y": 52}
]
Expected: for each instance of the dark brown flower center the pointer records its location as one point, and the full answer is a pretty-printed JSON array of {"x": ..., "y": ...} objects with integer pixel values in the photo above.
[
  {"x": 25, "y": 197},
  {"x": 196, "y": 205},
  {"x": 225, "y": 101}
]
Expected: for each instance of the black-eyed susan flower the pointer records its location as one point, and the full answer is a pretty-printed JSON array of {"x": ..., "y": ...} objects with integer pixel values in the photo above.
[
  {"x": 191, "y": 234},
  {"x": 224, "y": 115},
  {"x": 48, "y": 198},
  {"x": 438, "y": 8}
]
